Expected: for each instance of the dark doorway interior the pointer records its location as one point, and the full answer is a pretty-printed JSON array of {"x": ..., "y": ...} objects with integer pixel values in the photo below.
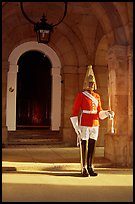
[{"x": 34, "y": 81}]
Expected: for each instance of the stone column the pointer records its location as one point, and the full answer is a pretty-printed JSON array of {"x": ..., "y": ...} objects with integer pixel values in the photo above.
[
  {"x": 56, "y": 99},
  {"x": 116, "y": 144},
  {"x": 4, "y": 97},
  {"x": 11, "y": 97},
  {"x": 72, "y": 83},
  {"x": 101, "y": 74},
  {"x": 130, "y": 107}
]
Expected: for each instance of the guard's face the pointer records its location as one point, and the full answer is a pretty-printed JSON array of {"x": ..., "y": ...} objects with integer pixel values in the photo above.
[{"x": 91, "y": 86}]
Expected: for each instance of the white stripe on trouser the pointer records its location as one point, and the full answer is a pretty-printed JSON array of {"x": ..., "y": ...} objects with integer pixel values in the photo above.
[{"x": 89, "y": 132}]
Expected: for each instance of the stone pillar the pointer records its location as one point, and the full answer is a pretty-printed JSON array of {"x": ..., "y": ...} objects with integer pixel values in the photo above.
[
  {"x": 56, "y": 99},
  {"x": 4, "y": 97},
  {"x": 72, "y": 83},
  {"x": 116, "y": 145},
  {"x": 11, "y": 97},
  {"x": 101, "y": 74},
  {"x": 130, "y": 107}
]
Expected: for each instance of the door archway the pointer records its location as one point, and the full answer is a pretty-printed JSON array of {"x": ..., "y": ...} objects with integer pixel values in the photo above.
[{"x": 12, "y": 83}]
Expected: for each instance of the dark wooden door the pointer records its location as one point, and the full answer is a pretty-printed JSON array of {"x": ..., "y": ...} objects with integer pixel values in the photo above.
[{"x": 34, "y": 81}]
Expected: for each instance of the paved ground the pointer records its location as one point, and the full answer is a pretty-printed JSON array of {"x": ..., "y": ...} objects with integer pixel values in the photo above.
[{"x": 52, "y": 174}]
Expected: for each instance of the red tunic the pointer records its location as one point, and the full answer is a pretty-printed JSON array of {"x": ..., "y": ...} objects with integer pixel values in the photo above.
[{"x": 81, "y": 103}]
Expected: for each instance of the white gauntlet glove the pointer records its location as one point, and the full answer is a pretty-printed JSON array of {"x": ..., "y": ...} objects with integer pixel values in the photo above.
[
  {"x": 106, "y": 114},
  {"x": 74, "y": 121}
]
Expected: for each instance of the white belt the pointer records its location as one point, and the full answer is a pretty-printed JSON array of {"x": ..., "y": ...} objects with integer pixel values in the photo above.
[{"x": 89, "y": 111}]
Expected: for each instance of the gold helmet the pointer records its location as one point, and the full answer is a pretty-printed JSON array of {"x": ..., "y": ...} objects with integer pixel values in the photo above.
[{"x": 89, "y": 78}]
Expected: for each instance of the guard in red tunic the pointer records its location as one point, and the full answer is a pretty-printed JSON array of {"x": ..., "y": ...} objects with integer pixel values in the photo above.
[{"x": 86, "y": 112}]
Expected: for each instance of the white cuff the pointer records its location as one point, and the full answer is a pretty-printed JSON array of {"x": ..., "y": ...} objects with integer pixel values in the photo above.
[{"x": 74, "y": 121}]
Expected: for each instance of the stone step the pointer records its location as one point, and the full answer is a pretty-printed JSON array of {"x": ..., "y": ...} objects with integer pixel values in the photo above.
[
  {"x": 33, "y": 137},
  {"x": 33, "y": 134},
  {"x": 46, "y": 141},
  {"x": 40, "y": 155},
  {"x": 45, "y": 167}
]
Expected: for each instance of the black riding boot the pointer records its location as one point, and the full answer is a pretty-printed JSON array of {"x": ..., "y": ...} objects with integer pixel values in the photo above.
[
  {"x": 83, "y": 157},
  {"x": 90, "y": 157}
]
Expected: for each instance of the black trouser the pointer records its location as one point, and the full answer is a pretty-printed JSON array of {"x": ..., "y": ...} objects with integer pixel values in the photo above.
[{"x": 87, "y": 152}]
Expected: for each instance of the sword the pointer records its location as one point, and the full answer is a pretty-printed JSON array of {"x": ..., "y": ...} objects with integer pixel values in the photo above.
[
  {"x": 111, "y": 118},
  {"x": 82, "y": 156}
]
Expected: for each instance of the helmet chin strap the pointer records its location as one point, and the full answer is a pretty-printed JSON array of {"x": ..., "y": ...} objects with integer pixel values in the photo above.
[{"x": 94, "y": 88}]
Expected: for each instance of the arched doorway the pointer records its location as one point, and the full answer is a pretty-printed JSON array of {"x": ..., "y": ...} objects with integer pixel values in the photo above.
[
  {"x": 12, "y": 83},
  {"x": 33, "y": 107}
]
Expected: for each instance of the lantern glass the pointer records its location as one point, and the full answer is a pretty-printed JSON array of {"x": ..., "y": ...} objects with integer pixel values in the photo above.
[{"x": 43, "y": 36}]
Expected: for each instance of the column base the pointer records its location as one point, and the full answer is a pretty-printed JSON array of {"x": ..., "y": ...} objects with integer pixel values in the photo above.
[
  {"x": 69, "y": 137},
  {"x": 116, "y": 149},
  {"x": 4, "y": 136}
]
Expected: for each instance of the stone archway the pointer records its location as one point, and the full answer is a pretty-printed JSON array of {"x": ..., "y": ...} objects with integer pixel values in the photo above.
[{"x": 12, "y": 84}]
